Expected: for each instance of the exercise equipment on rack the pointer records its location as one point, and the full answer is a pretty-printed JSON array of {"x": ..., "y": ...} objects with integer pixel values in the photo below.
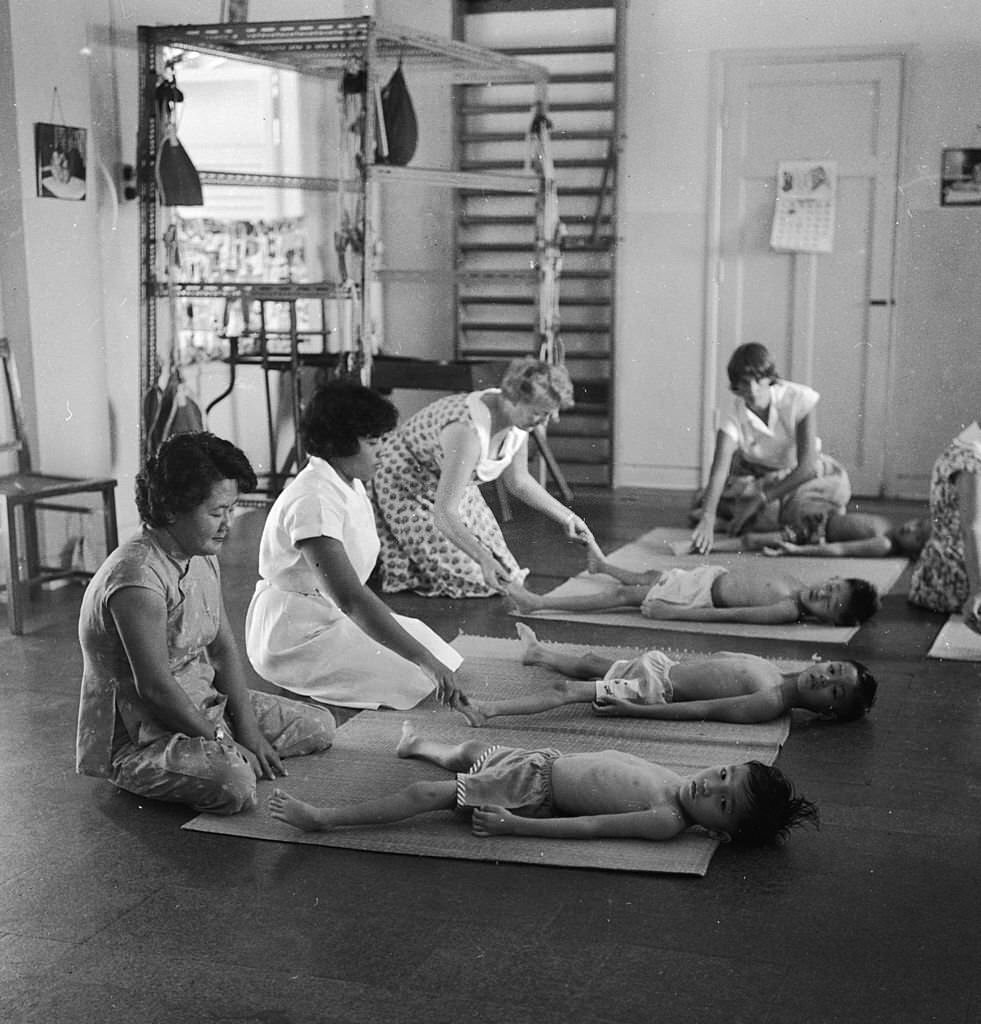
[{"x": 549, "y": 237}]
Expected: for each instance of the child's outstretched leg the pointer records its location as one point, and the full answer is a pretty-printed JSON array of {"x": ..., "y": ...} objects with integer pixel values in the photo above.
[
  {"x": 616, "y": 595},
  {"x": 747, "y": 542},
  {"x": 562, "y": 691},
  {"x": 298, "y": 813},
  {"x": 521, "y": 600},
  {"x": 593, "y": 549},
  {"x": 596, "y": 561},
  {"x": 578, "y": 666},
  {"x": 417, "y": 798},
  {"x": 455, "y": 757},
  {"x": 634, "y": 579}
]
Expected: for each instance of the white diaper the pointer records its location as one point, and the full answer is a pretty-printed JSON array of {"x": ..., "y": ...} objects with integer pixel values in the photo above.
[
  {"x": 687, "y": 588},
  {"x": 643, "y": 680}
]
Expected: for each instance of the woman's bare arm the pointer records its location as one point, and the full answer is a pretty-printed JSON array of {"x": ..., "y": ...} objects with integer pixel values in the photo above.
[
  {"x": 461, "y": 452},
  {"x": 703, "y": 536},
  {"x": 140, "y": 616},
  {"x": 328, "y": 559},
  {"x": 230, "y": 680}
]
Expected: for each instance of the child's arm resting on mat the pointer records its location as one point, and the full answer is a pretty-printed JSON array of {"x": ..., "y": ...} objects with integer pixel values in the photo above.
[
  {"x": 656, "y": 824},
  {"x": 870, "y": 547},
  {"x": 785, "y": 610},
  {"x": 749, "y": 707}
]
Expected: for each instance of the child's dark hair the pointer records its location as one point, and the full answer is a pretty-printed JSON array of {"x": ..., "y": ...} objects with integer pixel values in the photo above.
[
  {"x": 773, "y": 808},
  {"x": 341, "y": 412},
  {"x": 181, "y": 474},
  {"x": 751, "y": 361},
  {"x": 862, "y": 697},
  {"x": 863, "y": 602}
]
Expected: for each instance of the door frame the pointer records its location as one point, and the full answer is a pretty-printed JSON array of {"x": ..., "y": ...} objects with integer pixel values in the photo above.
[{"x": 721, "y": 62}]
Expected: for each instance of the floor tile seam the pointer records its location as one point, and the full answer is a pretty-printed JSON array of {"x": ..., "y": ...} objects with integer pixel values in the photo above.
[
  {"x": 736, "y": 962},
  {"x": 865, "y": 828}
]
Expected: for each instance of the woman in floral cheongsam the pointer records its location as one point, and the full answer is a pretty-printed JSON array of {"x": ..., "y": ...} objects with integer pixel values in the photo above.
[{"x": 947, "y": 577}]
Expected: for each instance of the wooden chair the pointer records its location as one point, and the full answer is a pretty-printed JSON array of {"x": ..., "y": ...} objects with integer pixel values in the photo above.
[{"x": 24, "y": 493}]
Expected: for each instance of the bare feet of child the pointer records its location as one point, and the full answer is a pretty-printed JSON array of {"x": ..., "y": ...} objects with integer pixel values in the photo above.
[
  {"x": 296, "y": 813},
  {"x": 593, "y": 550},
  {"x": 472, "y": 712},
  {"x": 408, "y": 741},
  {"x": 532, "y": 653},
  {"x": 521, "y": 600},
  {"x": 595, "y": 560}
]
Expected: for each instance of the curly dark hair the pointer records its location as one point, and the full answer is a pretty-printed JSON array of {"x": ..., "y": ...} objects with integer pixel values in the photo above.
[
  {"x": 751, "y": 361},
  {"x": 773, "y": 808},
  {"x": 181, "y": 474},
  {"x": 339, "y": 414},
  {"x": 863, "y": 602},
  {"x": 861, "y": 698}
]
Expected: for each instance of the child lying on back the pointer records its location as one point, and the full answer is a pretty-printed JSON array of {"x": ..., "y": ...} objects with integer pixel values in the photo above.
[
  {"x": 837, "y": 535},
  {"x": 713, "y": 593},
  {"x": 605, "y": 794},
  {"x": 722, "y": 687}
]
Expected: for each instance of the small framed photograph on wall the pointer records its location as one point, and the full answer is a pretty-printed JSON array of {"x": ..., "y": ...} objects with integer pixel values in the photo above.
[
  {"x": 960, "y": 177},
  {"x": 59, "y": 155}
]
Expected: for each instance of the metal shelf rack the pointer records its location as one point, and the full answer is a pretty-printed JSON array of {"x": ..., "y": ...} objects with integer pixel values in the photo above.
[{"x": 323, "y": 48}]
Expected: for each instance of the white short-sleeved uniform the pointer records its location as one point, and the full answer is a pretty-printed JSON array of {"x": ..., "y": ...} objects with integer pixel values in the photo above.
[
  {"x": 768, "y": 453},
  {"x": 296, "y": 636},
  {"x": 772, "y": 444}
]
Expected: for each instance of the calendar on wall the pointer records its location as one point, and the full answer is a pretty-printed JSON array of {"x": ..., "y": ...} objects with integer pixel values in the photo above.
[{"x": 804, "y": 214}]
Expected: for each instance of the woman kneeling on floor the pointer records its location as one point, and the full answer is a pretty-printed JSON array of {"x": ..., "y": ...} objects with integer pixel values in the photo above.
[
  {"x": 164, "y": 709},
  {"x": 314, "y": 626}
]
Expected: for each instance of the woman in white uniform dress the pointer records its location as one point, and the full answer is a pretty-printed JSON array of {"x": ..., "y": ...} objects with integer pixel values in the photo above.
[{"x": 313, "y": 626}]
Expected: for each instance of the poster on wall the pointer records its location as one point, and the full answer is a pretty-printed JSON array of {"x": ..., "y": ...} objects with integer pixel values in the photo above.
[
  {"x": 960, "y": 177},
  {"x": 804, "y": 215},
  {"x": 59, "y": 156}
]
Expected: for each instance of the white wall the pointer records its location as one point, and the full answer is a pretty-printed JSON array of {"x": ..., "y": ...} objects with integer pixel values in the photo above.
[
  {"x": 54, "y": 314},
  {"x": 69, "y": 271},
  {"x": 664, "y": 209}
]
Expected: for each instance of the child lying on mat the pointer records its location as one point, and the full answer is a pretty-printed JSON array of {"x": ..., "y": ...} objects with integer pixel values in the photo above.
[
  {"x": 712, "y": 593},
  {"x": 837, "y": 535},
  {"x": 606, "y": 794},
  {"x": 722, "y": 687}
]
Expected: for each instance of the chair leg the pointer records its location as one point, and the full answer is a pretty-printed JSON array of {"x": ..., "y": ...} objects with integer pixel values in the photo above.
[
  {"x": 109, "y": 518},
  {"x": 538, "y": 433},
  {"x": 15, "y": 613}
]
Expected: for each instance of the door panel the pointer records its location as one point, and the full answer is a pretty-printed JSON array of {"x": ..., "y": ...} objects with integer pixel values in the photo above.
[{"x": 812, "y": 311}]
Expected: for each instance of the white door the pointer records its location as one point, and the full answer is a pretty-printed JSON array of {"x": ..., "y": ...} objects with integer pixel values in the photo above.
[{"x": 825, "y": 318}]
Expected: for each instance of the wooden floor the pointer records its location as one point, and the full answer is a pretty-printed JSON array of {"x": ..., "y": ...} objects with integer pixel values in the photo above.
[{"x": 110, "y": 913}]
